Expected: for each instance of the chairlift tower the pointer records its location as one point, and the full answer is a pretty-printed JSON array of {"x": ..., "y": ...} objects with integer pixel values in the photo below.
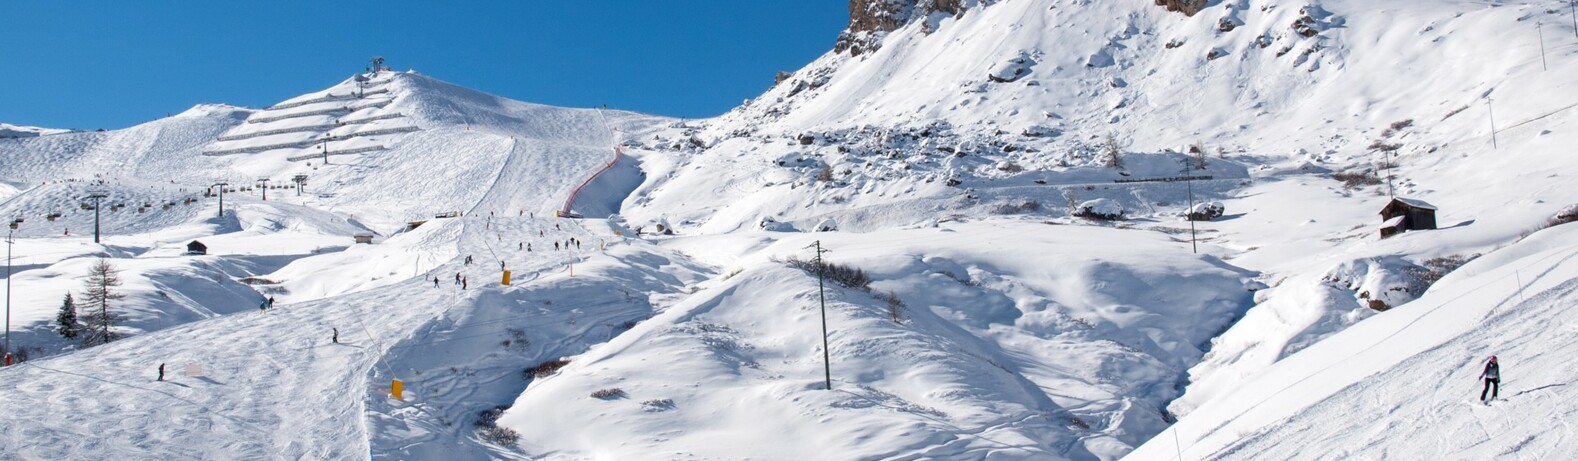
[
  {"x": 378, "y": 63},
  {"x": 264, "y": 188},
  {"x": 95, "y": 197},
  {"x": 300, "y": 180},
  {"x": 9, "y": 239},
  {"x": 221, "y": 185}
]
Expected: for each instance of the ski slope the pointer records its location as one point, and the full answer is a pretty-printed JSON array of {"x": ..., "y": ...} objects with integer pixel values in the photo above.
[
  {"x": 948, "y": 161},
  {"x": 1405, "y": 384}
]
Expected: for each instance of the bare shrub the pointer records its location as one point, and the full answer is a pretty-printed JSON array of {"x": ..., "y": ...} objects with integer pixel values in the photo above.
[
  {"x": 895, "y": 306},
  {"x": 656, "y": 405},
  {"x": 609, "y": 393},
  {"x": 1431, "y": 270},
  {"x": 1355, "y": 179},
  {"x": 489, "y": 430},
  {"x": 848, "y": 276},
  {"x": 546, "y": 369},
  {"x": 1567, "y": 215}
]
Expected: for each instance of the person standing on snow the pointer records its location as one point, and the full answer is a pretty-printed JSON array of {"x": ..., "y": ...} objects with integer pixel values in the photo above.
[
  {"x": 161, "y": 372},
  {"x": 1492, "y": 377}
]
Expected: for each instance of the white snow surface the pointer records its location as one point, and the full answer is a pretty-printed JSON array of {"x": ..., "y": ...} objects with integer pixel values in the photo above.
[{"x": 946, "y": 164}]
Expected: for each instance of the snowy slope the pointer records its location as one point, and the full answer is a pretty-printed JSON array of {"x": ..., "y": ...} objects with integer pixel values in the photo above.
[
  {"x": 945, "y": 148},
  {"x": 1405, "y": 384},
  {"x": 996, "y": 353}
]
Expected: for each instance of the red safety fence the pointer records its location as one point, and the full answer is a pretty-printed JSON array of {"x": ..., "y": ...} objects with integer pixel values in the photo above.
[{"x": 565, "y": 212}]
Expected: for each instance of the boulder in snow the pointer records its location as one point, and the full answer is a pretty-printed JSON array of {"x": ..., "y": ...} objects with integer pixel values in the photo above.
[
  {"x": 767, "y": 223},
  {"x": 826, "y": 225},
  {"x": 1011, "y": 70},
  {"x": 1206, "y": 211},
  {"x": 1100, "y": 209}
]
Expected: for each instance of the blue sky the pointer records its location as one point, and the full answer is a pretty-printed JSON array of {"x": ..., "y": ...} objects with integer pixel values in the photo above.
[{"x": 113, "y": 64}]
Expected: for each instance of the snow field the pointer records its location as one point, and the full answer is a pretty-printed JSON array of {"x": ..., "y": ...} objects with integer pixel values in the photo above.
[
  {"x": 999, "y": 364},
  {"x": 1508, "y": 304}
]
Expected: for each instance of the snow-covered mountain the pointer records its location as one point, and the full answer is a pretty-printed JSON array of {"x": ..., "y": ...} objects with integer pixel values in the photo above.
[{"x": 1010, "y": 177}]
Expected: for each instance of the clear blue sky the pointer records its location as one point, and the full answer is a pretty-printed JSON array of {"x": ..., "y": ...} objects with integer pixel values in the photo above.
[{"x": 113, "y": 64}]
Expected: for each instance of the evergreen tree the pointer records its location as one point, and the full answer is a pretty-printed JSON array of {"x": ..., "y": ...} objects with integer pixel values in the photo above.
[
  {"x": 66, "y": 321},
  {"x": 101, "y": 277}
]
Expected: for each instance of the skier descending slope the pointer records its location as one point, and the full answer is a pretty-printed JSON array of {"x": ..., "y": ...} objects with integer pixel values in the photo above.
[{"x": 1492, "y": 376}]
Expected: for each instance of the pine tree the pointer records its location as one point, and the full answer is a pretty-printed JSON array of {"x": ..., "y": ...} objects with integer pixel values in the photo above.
[
  {"x": 97, "y": 299},
  {"x": 66, "y": 321}
]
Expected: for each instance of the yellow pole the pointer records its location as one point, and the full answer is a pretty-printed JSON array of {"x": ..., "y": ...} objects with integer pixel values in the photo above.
[
  {"x": 396, "y": 388},
  {"x": 506, "y": 278}
]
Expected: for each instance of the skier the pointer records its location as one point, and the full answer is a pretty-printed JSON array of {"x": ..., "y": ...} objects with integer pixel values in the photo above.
[
  {"x": 161, "y": 372},
  {"x": 435, "y": 282},
  {"x": 520, "y": 245},
  {"x": 528, "y": 248},
  {"x": 462, "y": 283},
  {"x": 336, "y": 337},
  {"x": 270, "y": 302},
  {"x": 1492, "y": 377},
  {"x": 555, "y": 245},
  {"x": 263, "y": 306},
  {"x": 457, "y": 278}
]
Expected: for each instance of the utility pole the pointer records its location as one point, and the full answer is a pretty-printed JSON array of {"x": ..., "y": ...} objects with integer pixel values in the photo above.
[
  {"x": 9, "y": 239},
  {"x": 264, "y": 188},
  {"x": 821, "y": 293},
  {"x": 1540, "y": 27},
  {"x": 1490, "y": 107},
  {"x": 95, "y": 197},
  {"x": 221, "y": 185},
  {"x": 1189, "y": 215}
]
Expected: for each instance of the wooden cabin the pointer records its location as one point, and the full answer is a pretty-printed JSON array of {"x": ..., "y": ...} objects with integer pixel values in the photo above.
[
  {"x": 363, "y": 237},
  {"x": 196, "y": 248},
  {"x": 1406, "y": 214}
]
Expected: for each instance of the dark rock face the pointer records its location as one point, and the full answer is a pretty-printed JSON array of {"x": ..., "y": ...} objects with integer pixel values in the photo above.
[{"x": 870, "y": 19}]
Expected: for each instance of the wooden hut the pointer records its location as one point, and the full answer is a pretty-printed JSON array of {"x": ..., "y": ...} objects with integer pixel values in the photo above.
[
  {"x": 1406, "y": 214},
  {"x": 196, "y": 248},
  {"x": 363, "y": 237}
]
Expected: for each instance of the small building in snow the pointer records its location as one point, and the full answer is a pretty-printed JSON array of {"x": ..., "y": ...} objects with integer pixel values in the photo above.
[
  {"x": 363, "y": 237},
  {"x": 196, "y": 248},
  {"x": 1406, "y": 214}
]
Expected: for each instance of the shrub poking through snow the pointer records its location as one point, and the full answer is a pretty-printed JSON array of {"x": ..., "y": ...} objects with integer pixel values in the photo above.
[
  {"x": 656, "y": 405},
  {"x": 894, "y": 304},
  {"x": 609, "y": 393},
  {"x": 546, "y": 368},
  {"x": 1567, "y": 215},
  {"x": 1099, "y": 209},
  {"x": 848, "y": 276},
  {"x": 1355, "y": 179},
  {"x": 489, "y": 430},
  {"x": 1431, "y": 270}
]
